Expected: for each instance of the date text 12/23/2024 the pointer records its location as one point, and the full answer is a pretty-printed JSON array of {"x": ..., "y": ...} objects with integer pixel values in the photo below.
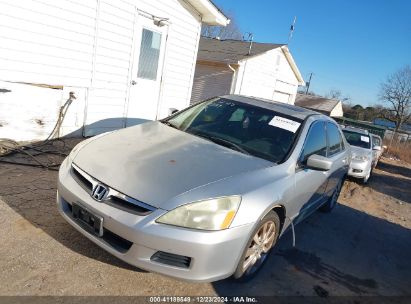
[{"x": 200, "y": 299}]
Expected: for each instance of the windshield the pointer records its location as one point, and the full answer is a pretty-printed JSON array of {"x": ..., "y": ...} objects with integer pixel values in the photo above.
[
  {"x": 239, "y": 126},
  {"x": 357, "y": 139}
]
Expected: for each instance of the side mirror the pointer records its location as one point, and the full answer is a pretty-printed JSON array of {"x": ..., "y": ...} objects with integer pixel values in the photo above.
[
  {"x": 318, "y": 162},
  {"x": 377, "y": 148}
]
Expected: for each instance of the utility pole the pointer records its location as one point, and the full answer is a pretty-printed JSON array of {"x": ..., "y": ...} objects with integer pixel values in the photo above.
[{"x": 308, "y": 83}]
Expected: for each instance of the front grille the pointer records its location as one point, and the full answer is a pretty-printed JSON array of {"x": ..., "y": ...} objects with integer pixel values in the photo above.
[
  {"x": 113, "y": 198},
  {"x": 171, "y": 259},
  {"x": 84, "y": 182},
  {"x": 127, "y": 206}
]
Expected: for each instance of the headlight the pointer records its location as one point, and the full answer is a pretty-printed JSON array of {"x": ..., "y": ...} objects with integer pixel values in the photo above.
[
  {"x": 360, "y": 157},
  {"x": 213, "y": 214}
]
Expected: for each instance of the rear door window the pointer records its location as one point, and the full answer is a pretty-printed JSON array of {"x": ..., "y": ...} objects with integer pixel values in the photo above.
[{"x": 335, "y": 141}]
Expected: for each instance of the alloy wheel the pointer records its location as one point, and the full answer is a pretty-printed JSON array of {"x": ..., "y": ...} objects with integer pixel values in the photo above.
[{"x": 259, "y": 247}]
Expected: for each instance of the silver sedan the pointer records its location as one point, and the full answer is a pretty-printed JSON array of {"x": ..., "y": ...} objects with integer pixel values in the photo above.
[{"x": 205, "y": 193}]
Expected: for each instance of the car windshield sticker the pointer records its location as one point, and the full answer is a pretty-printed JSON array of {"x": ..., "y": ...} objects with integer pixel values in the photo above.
[
  {"x": 284, "y": 123},
  {"x": 365, "y": 138}
]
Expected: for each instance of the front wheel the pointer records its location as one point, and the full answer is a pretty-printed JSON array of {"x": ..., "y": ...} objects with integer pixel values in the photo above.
[
  {"x": 367, "y": 177},
  {"x": 258, "y": 248}
]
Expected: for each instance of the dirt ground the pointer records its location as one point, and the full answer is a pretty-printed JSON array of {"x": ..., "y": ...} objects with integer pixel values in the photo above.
[{"x": 362, "y": 248}]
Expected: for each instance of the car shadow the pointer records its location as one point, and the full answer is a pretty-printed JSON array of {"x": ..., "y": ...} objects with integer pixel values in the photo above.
[
  {"x": 347, "y": 252},
  {"x": 397, "y": 187},
  {"x": 31, "y": 192},
  {"x": 394, "y": 169}
]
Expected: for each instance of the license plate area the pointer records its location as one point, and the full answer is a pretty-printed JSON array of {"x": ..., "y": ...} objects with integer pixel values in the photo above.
[{"x": 89, "y": 221}]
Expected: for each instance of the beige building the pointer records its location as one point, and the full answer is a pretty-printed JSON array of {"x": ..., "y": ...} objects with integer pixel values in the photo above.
[
  {"x": 262, "y": 70},
  {"x": 330, "y": 107}
]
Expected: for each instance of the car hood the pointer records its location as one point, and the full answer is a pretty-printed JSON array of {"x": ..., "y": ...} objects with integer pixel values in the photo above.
[{"x": 153, "y": 162}]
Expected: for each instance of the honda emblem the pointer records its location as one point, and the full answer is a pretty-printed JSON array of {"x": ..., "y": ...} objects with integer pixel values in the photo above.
[{"x": 99, "y": 192}]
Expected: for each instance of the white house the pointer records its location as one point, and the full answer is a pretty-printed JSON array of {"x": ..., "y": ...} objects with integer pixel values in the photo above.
[
  {"x": 124, "y": 60},
  {"x": 248, "y": 68},
  {"x": 330, "y": 107}
]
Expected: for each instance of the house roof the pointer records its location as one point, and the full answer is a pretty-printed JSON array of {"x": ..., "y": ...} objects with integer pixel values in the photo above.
[
  {"x": 230, "y": 51},
  {"x": 316, "y": 103},
  {"x": 284, "y": 108},
  {"x": 210, "y": 13}
]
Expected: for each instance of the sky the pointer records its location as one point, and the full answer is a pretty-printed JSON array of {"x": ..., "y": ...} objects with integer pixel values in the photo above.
[{"x": 348, "y": 45}]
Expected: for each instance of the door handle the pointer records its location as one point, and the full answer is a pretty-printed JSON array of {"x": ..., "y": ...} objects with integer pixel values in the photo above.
[{"x": 133, "y": 82}]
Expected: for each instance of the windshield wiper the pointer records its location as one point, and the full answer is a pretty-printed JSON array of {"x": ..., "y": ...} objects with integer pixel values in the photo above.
[
  {"x": 224, "y": 142},
  {"x": 170, "y": 124}
]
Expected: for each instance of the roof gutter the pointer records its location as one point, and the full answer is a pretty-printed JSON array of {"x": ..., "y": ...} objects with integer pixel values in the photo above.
[
  {"x": 210, "y": 13},
  {"x": 293, "y": 65}
]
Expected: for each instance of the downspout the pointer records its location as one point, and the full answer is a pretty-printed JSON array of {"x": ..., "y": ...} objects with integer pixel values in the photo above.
[
  {"x": 233, "y": 79},
  {"x": 242, "y": 78},
  {"x": 93, "y": 67}
]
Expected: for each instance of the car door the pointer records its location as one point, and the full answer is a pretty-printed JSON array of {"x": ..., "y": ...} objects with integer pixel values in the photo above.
[
  {"x": 339, "y": 155},
  {"x": 310, "y": 185}
]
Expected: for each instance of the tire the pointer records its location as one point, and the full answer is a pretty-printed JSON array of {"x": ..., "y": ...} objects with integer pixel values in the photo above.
[
  {"x": 255, "y": 252},
  {"x": 366, "y": 178},
  {"x": 333, "y": 200}
]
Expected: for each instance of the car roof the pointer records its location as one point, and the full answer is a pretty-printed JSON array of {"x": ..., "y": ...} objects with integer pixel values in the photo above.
[
  {"x": 279, "y": 107},
  {"x": 356, "y": 130}
]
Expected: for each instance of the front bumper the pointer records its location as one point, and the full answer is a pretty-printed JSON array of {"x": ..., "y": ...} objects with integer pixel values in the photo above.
[
  {"x": 213, "y": 255},
  {"x": 359, "y": 169}
]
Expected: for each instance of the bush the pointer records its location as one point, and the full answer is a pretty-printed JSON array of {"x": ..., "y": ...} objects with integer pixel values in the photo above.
[{"x": 400, "y": 151}]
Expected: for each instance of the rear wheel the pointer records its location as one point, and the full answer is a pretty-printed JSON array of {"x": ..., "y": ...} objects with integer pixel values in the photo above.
[
  {"x": 332, "y": 201},
  {"x": 258, "y": 248}
]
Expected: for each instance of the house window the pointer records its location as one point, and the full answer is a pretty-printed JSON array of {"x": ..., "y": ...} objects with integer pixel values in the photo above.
[{"x": 149, "y": 55}]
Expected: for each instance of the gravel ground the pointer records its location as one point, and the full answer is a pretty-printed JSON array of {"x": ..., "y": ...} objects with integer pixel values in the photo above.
[{"x": 362, "y": 248}]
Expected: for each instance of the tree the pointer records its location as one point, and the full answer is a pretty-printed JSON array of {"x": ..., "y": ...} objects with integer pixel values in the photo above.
[
  {"x": 383, "y": 112},
  {"x": 396, "y": 91},
  {"x": 336, "y": 94},
  {"x": 302, "y": 91},
  {"x": 231, "y": 31},
  {"x": 357, "y": 112}
]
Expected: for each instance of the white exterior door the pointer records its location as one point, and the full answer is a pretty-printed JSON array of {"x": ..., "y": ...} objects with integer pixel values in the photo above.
[{"x": 147, "y": 69}]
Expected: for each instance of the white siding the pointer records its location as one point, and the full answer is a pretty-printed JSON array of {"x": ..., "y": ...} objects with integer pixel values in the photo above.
[
  {"x": 210, "y": 81},
  {"x": 87, "y": 47},
  {"x": 107, "y": 97},
  {"x": 269, "y": 76},
  {"x": 45, "y": 41}
]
